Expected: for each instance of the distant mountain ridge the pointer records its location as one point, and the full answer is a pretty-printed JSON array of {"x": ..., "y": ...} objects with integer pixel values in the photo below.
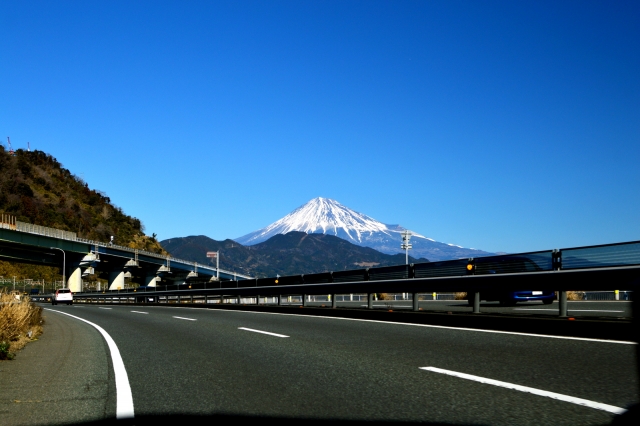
[
  {"x": 283, "y": 254},
  {"x": 327, "y": 216}
]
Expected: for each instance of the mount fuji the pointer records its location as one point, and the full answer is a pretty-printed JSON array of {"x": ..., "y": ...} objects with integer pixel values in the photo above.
[{"x": 327, "y": 216}]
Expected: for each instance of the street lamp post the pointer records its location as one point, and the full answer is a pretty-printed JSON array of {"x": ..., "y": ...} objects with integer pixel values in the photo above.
[
  {"x": 215, "y": 254},
  {"x": 64, "y": 263}
]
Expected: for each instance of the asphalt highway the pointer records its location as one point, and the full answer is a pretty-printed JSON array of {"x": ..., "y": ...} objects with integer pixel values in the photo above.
[{"x": 200, "y": 361}]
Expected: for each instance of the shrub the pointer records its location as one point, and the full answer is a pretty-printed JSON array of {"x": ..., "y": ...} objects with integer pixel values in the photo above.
[
  {"x": 4, "y": 351},
  {"x": 575, "y": 295},
  {"x": 20, "y": 322},
  {"x": 461, "y": 295}
]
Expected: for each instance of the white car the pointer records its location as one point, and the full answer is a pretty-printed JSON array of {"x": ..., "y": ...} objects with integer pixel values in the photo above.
[{"x": 62, "y": 295}]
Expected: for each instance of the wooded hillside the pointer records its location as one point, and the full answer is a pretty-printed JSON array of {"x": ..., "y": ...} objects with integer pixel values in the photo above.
[{"x": 36, "y": 188}]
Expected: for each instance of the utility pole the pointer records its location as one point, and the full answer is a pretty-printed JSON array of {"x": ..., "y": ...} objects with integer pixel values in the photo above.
[{"x": 406, "y": 245}]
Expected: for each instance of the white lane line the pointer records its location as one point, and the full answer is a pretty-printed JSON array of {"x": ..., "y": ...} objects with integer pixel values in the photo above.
[
  {"x": 566, "y": 398},
  {"x": 138, "y": 312},
  {"x": 124, "y": 399},
  {"x": 443, "y": 327},
  {"x": 263, "y": 332},
  {"x": 570, "y": 310},
  {"x": 188, "y": 319},
  {"x": 104, "y": 308}
]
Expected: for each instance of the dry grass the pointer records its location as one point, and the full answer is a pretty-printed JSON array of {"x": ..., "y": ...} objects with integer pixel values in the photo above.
[
  {"x": 20, "y": 322},
  {"x": 575, "y": 295},
  {"x": 461, "y": 295}
]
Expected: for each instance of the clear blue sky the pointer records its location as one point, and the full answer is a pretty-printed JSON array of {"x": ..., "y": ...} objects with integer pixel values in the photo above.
[{"x": 499, "y": 125}]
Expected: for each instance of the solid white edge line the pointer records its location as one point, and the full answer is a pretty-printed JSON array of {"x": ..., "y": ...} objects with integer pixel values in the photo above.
[
  {"x": 263, "y": 332},
  {"x": 138, "y": 312},
  {"x": 444, "y": 327},
  {"x": 558, "y": 396},
  {"x": 188, "y": 319},
  {"x": 124, "y": 398},
  {"x": 100, "y": 307}
]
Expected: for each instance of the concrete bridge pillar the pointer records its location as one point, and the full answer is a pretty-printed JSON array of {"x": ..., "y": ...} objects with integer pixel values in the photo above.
[
  {"x": 150, "y": 280},
  {"x": 116, "y": 280},
  {"x": 74, "y": 278}
]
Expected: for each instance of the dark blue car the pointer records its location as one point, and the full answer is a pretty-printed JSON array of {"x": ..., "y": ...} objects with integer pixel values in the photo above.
[
  {"x": 545, "y": 296},
  {"x": 511, "y": 264}
]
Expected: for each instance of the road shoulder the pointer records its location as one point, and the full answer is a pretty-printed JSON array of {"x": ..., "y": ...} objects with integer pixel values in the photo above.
[{"x": 64, "y": 377}]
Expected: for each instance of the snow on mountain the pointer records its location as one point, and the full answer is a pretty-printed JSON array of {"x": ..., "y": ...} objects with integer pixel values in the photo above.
[
  {"x": 327, "y": 216},
  {"x": 321, "y": 215}
]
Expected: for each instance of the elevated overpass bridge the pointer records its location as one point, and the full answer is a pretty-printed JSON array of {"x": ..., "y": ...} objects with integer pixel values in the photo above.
[{"x": 26, "y": 243}]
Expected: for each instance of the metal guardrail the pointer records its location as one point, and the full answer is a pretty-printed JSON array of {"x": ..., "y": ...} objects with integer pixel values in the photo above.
[
  {"x": 514, "y": 272},
  {"x": 605, "y": 295},
  {"x": 513, "y": 264}
]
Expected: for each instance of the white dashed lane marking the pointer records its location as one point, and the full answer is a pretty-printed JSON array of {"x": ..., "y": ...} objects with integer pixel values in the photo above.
[
  {"x": 188, "y": 319},
  {"x": 262, "y": 332},
  {"x": 560, "y": 397}
]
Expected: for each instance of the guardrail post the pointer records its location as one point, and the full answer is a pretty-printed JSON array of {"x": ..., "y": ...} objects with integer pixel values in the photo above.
[
  {"x": 334, "y": 301},
  {"x": 562, "y": 297},
  {"x": 279, "y": 300},
  {"x": 305, "y": 298},
  {"x": 476, "y": 302},
  {"x": 258, "y": 300},
  {"x": 369, "y": 300},
  {"x": 238, "y": 298},
  {"x": 416, "y": 303}
]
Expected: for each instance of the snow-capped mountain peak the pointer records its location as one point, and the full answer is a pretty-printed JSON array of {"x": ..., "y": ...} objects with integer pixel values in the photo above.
[
  {"x": 323, "y": 216},
  {"x": 327, "y": 216}
]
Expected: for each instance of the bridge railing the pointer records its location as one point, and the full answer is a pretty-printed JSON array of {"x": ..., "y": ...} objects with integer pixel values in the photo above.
[
  {"x": 7, "y": 222},
  {"x": 44, "y": 230}
]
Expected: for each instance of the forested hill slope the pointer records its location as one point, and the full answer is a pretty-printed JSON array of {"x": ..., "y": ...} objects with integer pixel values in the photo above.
[{"x": 36, "y": 188}]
